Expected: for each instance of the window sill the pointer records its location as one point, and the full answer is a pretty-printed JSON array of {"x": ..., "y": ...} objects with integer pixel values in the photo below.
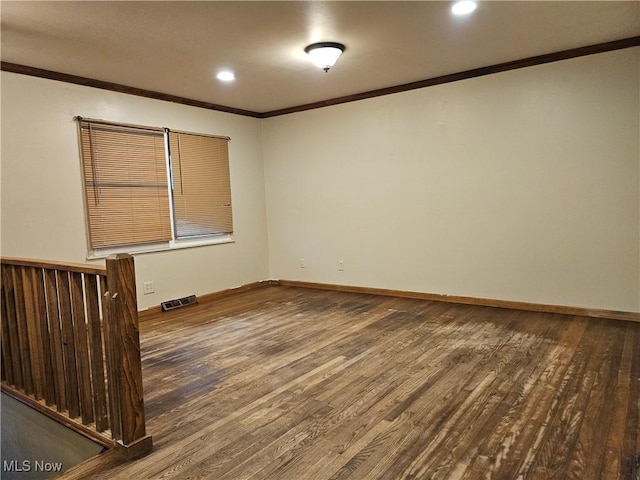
[{"x": 160, "y": 247}]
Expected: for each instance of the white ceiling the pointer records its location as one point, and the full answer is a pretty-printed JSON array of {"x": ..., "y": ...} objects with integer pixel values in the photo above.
[{"x": 177, "y": 47}]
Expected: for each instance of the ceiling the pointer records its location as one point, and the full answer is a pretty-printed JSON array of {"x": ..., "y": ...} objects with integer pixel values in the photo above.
[{"x": 177, "y": 48}]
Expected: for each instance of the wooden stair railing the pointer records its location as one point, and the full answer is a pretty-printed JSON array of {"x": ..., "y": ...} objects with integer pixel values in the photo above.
[{"x": 71, "y": 347}]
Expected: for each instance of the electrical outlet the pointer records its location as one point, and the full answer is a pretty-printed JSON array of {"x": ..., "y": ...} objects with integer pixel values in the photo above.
[
  {"x": 302, "y": 264},
  {"x": 149, "y": 287},
  {"x": 341, "y": 265}
]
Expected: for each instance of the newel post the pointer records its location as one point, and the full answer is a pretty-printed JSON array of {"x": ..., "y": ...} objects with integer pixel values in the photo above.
[{"x": 125, "y": 348}]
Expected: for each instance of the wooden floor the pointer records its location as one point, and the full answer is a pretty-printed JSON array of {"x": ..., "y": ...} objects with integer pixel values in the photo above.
[{"x": 287, "y": 383}]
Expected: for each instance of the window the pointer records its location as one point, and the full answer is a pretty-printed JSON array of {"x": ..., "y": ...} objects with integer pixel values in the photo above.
[
  {"x": 201, "y": 190},
  {"x": 151, "y": 186}
]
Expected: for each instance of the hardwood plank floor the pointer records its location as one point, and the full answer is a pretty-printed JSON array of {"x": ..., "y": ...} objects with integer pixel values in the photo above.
[{"x": 288, "y": 383}]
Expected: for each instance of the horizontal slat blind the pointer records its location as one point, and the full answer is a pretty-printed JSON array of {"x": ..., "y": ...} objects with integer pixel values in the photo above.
[
  {"x": 201, "y": 185},
  {"x": 125, "y": 184}
]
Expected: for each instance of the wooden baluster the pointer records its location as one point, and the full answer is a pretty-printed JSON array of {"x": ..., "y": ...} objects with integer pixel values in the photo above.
[
  {"x": 109, "y": 359},
  {"x": 10, "y": 350},
  {"x": 43, "y": 335},
  {"x": 57, "y": 346},
  {"x": 7, "y": 365},
  {"x": 23, "y": 333},
  {"x": 68, "y": 343},
  {"x": 33, "y": 328},
  {"x": 57, "y": 359},
  {"x": 96, "y": 352},
  {"x": 82, "y": 348},
  {"x": 114, "y": 357}
]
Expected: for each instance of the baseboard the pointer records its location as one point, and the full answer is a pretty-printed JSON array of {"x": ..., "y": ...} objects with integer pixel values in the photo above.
[
  {"x": 487, "y": 302},
  {"x": 210, "y": 297},
  {"x": 136, "y": 449}
]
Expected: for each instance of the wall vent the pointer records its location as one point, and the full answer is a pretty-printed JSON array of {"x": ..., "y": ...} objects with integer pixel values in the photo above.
[{"x": 180, "y": 302}]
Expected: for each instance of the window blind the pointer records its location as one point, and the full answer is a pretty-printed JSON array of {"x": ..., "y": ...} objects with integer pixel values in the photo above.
[
  {"x": 201, "y": 185},
  {"x": 125, "y": 184}
]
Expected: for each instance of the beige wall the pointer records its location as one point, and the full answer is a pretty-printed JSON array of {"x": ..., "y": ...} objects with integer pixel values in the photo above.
[
  {"x": 42, "y": 197},
  {"x": 518, "y": 186}
]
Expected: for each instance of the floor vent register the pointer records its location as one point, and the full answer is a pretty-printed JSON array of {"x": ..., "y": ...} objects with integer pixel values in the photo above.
[{"x": 180, "y": 302}]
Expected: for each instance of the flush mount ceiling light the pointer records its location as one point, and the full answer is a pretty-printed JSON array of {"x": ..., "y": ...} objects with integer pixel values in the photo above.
[
  {"x": 464, "y": 7},
  {"x": 325, "y": 54}
]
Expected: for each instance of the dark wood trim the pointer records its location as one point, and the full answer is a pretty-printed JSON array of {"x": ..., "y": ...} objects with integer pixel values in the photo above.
[
  {"x": 476, "y": 72},
  {"x": 123, "y": 331},
  {"x": 116, "y": 87},
  {"x": 53, "y": 265},
  {"x": 135, "y": 449},
  {"x": 429, "y": 82},
  {"x": 487, "y": 302},
  {"x": 212, "y": 297}
]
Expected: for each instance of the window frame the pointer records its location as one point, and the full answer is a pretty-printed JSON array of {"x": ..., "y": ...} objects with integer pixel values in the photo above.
[{"x": 153, "y": 247}]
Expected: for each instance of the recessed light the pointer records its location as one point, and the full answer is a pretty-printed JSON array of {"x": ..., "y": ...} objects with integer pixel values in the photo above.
[
  {"x": 464, "y": 7},
  {"x": 226, "y": 76}
]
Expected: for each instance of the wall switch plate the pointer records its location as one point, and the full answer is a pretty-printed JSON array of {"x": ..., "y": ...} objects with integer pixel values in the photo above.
[
  {"x": 302, "y": 264},
  {"x": 149, "y": 287},
  {"x": 341, "y": 265}
]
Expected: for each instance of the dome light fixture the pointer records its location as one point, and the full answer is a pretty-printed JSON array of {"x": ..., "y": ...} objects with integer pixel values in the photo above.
[
  {"x": 324, "y": 54},
  {"x": 464, "y": 7}
]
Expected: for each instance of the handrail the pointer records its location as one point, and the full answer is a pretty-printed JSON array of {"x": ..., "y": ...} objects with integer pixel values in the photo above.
[
  {"x": 53, "y": 265},
  {"x": 71, "y": 347}
]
